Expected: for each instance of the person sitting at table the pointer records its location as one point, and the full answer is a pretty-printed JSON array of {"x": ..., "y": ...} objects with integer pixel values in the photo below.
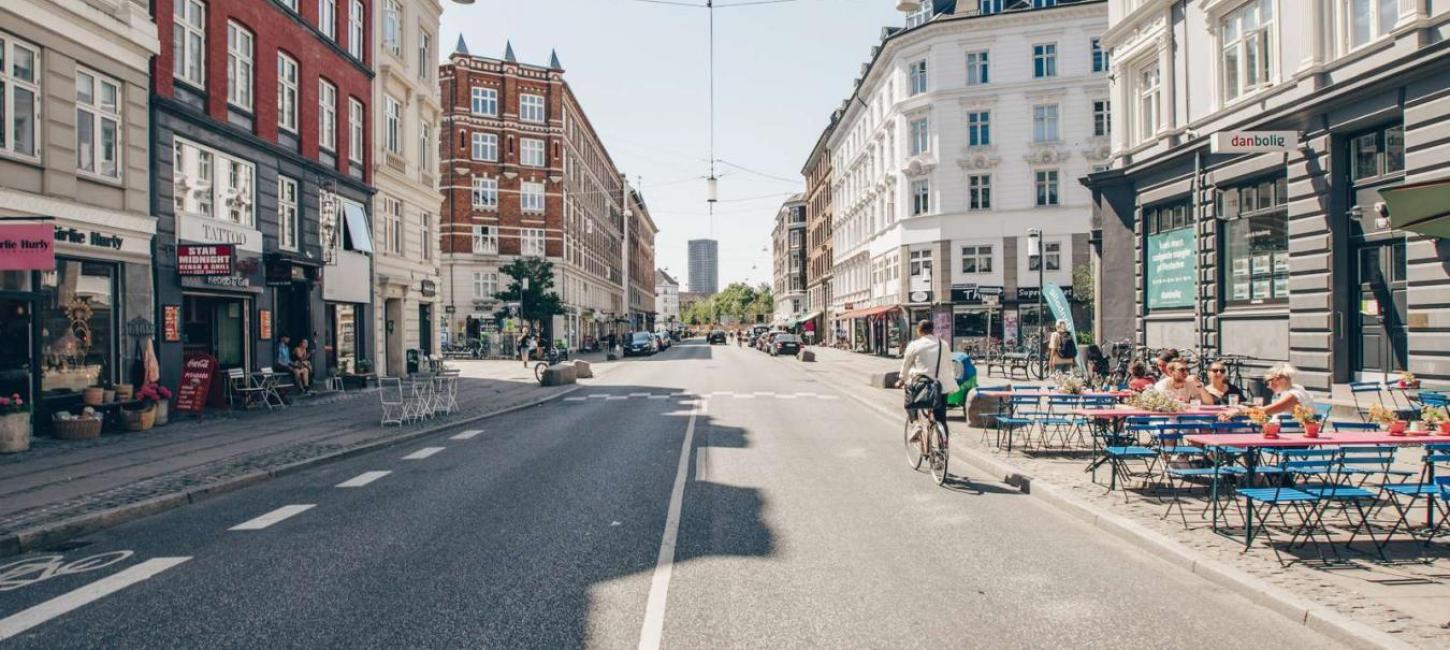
[
  {"x": 302, "y": 366},
  {"x": 1287, "y": 394},
  {"x": 1140, "y": 381},
  {"x": 1181, "y": 386},
  {"x": 1218, "y": 387},
  {"x": 1164, "y": 358}
]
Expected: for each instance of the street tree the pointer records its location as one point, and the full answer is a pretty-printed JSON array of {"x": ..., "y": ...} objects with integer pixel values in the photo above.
[{"x": 538, "y": 302}]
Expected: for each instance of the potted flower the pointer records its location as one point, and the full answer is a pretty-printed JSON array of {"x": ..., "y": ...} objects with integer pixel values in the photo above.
[
  {"x": 1408, "y": 380},
  {"x": 160, "y": 396},
  {"x": 1434, "y": 418},
  {"x": 1389, "y": 418},
  {"x": 1156, "y": 401},
  {"x": 1069, "y": 383},
  {"x": 14, "y": 424},
  {"x": 1266, "y": 424},
  {"x": 1308, "y": 419}
]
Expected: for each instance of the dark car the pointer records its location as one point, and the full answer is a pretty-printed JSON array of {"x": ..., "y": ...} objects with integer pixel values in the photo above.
[
  {"x": 785, "y": 343},
  {"x": 641, "y": 344},
  {"x": 717, "y": 336}
]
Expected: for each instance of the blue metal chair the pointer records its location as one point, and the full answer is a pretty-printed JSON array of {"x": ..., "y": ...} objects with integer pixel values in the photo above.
[
  {"x": 1358, "y": 389},
  {"x": 1014, "y": 421},
  {"x": 1122, "y": 451},
  {"x": 1354, "y": 426},
  {"x": 1281, "y": 499},
  {"x": 1404, "y": 496}
]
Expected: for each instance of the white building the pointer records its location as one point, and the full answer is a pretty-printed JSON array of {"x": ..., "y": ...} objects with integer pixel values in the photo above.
[
  {"x": 406, "y": 206},
  {"x": 667, "y": 299},
  {"x": 965, "y": 130}
]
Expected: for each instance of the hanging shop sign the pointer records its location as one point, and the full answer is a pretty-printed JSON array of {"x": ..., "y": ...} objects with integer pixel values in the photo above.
[
  {"x": 171, "y": 323},
  {"x": 1171, "y": 269},
  {"x": 428, "y": 288},
  {"x": 27, "y": 247},
  {"x": 1254, "y": 141},
  {"x": 196, "y": 376},
  {"x": 205, "y": 259},
  {"x": 920, "y": 297},
  {"x": 264, "y": 324}
]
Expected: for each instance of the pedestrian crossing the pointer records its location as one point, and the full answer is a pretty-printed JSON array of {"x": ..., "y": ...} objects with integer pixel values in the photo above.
[{"x": 724, "y": 394}]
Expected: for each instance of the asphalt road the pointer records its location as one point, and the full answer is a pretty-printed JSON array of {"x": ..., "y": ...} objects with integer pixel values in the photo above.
[{"x": 794, "y": 519}]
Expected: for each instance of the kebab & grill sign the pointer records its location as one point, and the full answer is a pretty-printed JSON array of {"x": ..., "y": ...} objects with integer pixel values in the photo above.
[{"x": 204, "y": 259}]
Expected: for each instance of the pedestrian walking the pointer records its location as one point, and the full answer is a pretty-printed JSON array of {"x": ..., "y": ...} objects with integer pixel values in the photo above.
[{"x": 1062, "y": 350}]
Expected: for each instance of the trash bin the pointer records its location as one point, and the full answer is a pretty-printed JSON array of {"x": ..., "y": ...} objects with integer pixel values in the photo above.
[{"x": 413, "y": 357}]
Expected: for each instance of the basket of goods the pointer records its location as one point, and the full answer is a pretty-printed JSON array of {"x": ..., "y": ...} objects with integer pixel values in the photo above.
[{"x": 69, "y": 426}]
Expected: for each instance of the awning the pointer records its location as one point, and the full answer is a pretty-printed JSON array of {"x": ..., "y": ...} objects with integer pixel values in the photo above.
[
  {"x": 1422, "y": 207},
  {"x": 870, "y": 311},
  {"x": 811, "y": 316}
]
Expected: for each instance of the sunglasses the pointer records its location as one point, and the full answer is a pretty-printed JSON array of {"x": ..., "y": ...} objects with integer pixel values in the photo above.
[{"x": 1216, "y": 370}]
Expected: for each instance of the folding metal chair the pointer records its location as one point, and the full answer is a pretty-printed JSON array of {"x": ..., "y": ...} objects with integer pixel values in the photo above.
[
  {"x": 1435, "y": 469},
  {"x": 1281, "y": 499},
  {"x": 390, "y": 396},
  {"x": 274, "y": 386},
  {"x": 1366, "y": 389},
  {"x": 239, "y": 383},
  {"x": 445, "y": 390}
]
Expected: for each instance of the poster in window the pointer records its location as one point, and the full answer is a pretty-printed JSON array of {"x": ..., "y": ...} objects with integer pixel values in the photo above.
[
  {"x": 1281, "y": 262},
  {"x": 1261, "y": 289},
  {"x": 1241, "y": 290},
  {"x": 264, "y": 324},
  {"x": 1261, "y": 264},
  {"x": 1241, "y": 267},
  {"x": 171, "y": 323},
  {"x": 1171, "y": 269},
  {"x": 1281, "y": 287}
]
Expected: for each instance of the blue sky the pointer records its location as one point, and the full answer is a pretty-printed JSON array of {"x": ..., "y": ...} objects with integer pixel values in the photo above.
[{"x": 640, "y": 70}]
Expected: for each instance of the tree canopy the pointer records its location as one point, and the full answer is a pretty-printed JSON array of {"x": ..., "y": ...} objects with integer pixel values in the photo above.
[
  {"x": 538, "y": 302},
  {"x": 738, "y": 302}
]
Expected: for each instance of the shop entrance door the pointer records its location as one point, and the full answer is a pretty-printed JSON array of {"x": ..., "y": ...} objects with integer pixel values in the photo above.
[
  {"x": 425, "y": 329},
  {"x": 216, "y": 326},
  {"x": 16, "y": 367},
  {"x": 1380, "y": 342},
  {"x": 393, "y": 321}
]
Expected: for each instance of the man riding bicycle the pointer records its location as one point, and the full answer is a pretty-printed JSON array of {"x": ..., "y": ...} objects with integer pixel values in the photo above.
[{"x": 928, "y": 356}]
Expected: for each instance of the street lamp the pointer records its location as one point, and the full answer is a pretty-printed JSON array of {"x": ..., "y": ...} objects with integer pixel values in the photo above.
[{"x": 1034, "y": 249}]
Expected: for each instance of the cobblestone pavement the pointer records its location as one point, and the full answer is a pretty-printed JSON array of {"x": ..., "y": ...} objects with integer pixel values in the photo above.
[
  {"x": 1410, "y": 599},
  {"x": 59, "y": 480}
]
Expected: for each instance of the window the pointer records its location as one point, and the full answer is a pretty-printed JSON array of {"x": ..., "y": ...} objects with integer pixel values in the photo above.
[
  {"x": 355, "y": 33},
  {"x": 1367, "y": 20},
  {"x": 1255, "y": 241},
  {"x": 1102, "y": 117},
  {"x": 531, "y": 197},
  {"x": 1044, "y": 60},
  {"x": 531, "y": 108},
  {"x": 210, "y": 184},
  {"x": 1053, "y": 252},
  {"x": 425, "y": 55},
  {"x": 188, "y": 42},
  {"x": 485, "y": 101},
  {"x": 393, "y": 125},
  {"x": 327, "y": 115},
  {"x": 978, "y": 68},
  {"x": 1247, "y": 57},
  {"x": 987, "y": 7},
  {"x": 1046, "y": 187},
  {"x": 920, "y": 197},
  {"x": 239, "y": 66},
  {"x": 979, "y": 192},
  {"x": 976, "y": 259},
  {"x": 19, "y": 96},
  {"x": 485, "y": 146},
  {"x": 1377, "y": 153},
  {"x": 1044, "y": 123},
  {"x": 919, "y": 263},
  {"x": 286, "y": 93},
  {"x": 393, "y": 225},
  {"x": 1148, "y": 104},
  {"x": 98, "y": 120},
  {"x": 485, "y": 284},
  {"x": 392, "y": 32},
  {"x": 919, "y": 16},
  {"x": 920, "y": 137},
  {"x": 1100, "y": 57},
  {"x": 485, "y": 239},
  {"x": 531, "y": 242},
  {"x": 979, "y": 129},
  {"x": 531, "y": 152},
  {"x": 327, "y": 18},
  {"x": 355, "y": 130},
  {"x": 485, "y": 193},
  {"x": 291, "y": 4},
  {"x": 287, "y": 213},
  {"x": 917, "y": 72},
  {"x": 426, "y": 163}
]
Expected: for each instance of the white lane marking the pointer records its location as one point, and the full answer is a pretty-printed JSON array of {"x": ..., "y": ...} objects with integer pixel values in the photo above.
[
  {"x": 701, "y": 464},
  {"x": 827, "y": 397},
  {"x": 639, "y": 394},
  {"x": 469, "y": 434},
  {"x": 745, "y": 396},
  {"x": 614, "y": 398},
  {"x": 659, "y": 396},
  {"x": 761, "y": 393},
  {"x": 598, "y": 396},
  {"x": 363, "y": 479},
  {"x": 26, "y": 619},
  {"x": 423, "y": 453},
  {"x": 273, "y": 517},
  {"x": 720, "y": 393},
  {"x": 575, "y": 399},
  {"x": 785, "y": 396},
  {"x": 659, "y": 589}
]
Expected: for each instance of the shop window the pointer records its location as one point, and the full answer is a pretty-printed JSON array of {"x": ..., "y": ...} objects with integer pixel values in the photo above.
[
  {"x": 1378, "y": 153},
  {"x": 1256, "y": 242},
  {"x": 78, "y": 325}
]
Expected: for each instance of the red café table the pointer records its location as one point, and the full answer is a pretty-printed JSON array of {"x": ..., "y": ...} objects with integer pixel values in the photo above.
[
  {"x": 1030, "y": 391},
  {"x": 1115, "y": 416}
]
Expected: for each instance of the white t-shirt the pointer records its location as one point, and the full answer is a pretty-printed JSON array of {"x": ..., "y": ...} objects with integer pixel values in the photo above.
[
  {"x": 1300, "y": 393},
  {"x": 1187, "y": 393},
  {"x": 927, "y": 356}
]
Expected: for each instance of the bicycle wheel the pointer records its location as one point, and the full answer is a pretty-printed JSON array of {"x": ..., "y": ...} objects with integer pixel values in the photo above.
[
  {"x": 940, "y": 454},
  {"x": 913, "y": 447},
  {"x": 539, "y": 369}
]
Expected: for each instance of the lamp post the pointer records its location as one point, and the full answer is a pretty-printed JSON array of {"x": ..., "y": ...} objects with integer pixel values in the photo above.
[{"x": 1034, "y": 249}]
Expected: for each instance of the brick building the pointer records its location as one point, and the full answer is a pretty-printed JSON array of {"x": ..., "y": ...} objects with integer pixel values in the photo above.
[
  {"x": 260, "y": 143},
  {"x": 817, "y": 172},
  {"x": 641, "y": 236}
]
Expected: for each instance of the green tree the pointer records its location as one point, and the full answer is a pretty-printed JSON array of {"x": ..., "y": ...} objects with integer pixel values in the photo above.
[
  {"x": 538, "y": 302},
  {"x": 1083, "y": 287}
]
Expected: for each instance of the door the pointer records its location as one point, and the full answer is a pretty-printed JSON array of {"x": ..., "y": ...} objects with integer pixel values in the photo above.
[
  {"x": 1380, "y": 335},
  {"x": 425, "y": 328},
  {"x": 16, "y": 374},
  {"x": 393, "y": 322}
]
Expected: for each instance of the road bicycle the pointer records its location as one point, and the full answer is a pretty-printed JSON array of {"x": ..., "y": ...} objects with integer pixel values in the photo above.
[
  {"x": 930, "y": 445},
  {"x": 552, "y": 355}
]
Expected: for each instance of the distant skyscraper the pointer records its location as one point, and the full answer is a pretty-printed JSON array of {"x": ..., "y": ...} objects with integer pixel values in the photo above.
[{"x": 704, "y": 266}]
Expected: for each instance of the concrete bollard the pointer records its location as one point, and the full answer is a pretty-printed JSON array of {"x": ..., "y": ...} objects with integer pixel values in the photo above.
[
  {"x": 807, "y": 356},
  {"x": 885, "y": 380},
  {"x": 982, "y": 411},
  {"x": 582, "y": 369},
  {"x": 560, "y": 374}
]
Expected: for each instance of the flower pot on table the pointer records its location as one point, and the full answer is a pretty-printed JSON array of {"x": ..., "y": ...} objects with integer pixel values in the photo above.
[
  {"x": 1311, "y": 430},
  {"x": 14, "y": 433},
  {"x": 94, "y": 396},
  {"x": 1271, "y": 430},
  {"x": 1397, "y": 428}
]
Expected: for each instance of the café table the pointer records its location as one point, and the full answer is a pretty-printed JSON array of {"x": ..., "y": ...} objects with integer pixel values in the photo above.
[{"x": 1114, "y": 417}]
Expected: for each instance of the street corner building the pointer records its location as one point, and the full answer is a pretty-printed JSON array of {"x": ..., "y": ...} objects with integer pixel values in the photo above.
[
  {"x": 76, "y": 234},
  {"x": 262, "y": 183},
  {"x": 1270, "y": 161},
  {"x": 788, "y": 263}
]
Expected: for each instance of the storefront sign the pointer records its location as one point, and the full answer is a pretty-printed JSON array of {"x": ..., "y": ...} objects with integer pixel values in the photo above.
[
  {"x": 264, "y": 324},
  {"x": 1029, "y": 294},
  {"x": 1171, "y": 269},
  {"x": 77, "y": 236},
  {"x": 205, "y": 260},
  {"x": 920, "y": 296},
  {"x": 27, "y": 247},
  {"x": 196, "y": 375},
  {"x": 973, "y": 294},
  {"x": 450, "y": 309},
  {"x": 1254, "y": 141},
  {"x": 171, "y": 323},
  {"x": 428, "y": 288},
  {"x": 202, "y": 229}
]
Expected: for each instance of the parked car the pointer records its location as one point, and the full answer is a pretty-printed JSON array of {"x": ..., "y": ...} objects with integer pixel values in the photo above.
[
  {"x": 641, "y": 344},
  {"x": 662, "y": 341},
  {"x": 717, "y": 336},
  {"x": 785, "y": 343}
]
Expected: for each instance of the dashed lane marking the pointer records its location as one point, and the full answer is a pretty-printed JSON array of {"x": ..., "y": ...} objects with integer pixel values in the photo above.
[
  {"x": 469, "y": 434},
  {"x": 651, "y": 632},
  {"x": 659, "y": 396},
  {"x": 423, "y": 453},
  {"x": 363, "y": 479},
  {"x": 273, "y": 517},
  {"x": 575, "y": 399},
  {"x": 29, "y": 618}
]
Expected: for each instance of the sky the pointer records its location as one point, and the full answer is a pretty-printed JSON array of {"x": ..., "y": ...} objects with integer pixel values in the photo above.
[{"x": 640, "y": 70}]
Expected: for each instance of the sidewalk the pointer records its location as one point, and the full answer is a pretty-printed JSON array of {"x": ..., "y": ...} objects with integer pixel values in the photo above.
[
  {"x": 1408, "y": 600},
  {"x": 73, "y": 481}
]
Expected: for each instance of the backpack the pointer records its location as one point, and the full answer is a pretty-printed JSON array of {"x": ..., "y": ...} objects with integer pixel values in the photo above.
[{"x": 1067, "y": 347}]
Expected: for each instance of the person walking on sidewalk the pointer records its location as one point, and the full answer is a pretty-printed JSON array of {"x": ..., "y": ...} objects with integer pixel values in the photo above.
[{"x": 1062, "y": 350}]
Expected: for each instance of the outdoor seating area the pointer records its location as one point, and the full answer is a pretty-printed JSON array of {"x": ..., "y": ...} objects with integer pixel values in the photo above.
[{"x": 422, "y": 396}]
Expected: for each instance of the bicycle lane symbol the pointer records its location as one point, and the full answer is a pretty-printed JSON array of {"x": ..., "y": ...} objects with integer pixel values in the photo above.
[{"x": 23, "y": 573}]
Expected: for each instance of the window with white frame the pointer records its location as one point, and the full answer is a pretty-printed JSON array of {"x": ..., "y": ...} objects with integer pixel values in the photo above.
[
  {"x": 291, "y": 4},
  {"x": 286, "y": 92},
  {"x": 188, "y": 42},
  {"x": 531, "y": 242},
  {"x": 287, "y": 221},
  {"x": 531, "y": 197},
  {"x": 485, "y": 239},
  {"x": 1046, "y": 183},
  {"x": 979, "y": 192},
  {"x": 979, "y": 128},
  {"x": 355, "y": 122},
  {"x": 1044, "y": 123},
  {"x": 1102, "y": 117},
  {"x": 327, "y": 115},
  {"x": 919, "y": 263},
  {"x": 1247, "y": 56},
  {"x": 977, "y": 259},
  {"x": 393, "y": 125},
  {"x": 917, "y": 72},
  {"x": 393, "y": 222},
  {"x": 355, "y": 35},
  {"x": 425, "y": 146},
  {"x": 531, "y": 152},
  {"x": 425, "y": 55},
  {"x": 920, "y": 136},
  {"x": 920, "y": 16},
  {"x": 485, "y": 146},
  {"x": 1100, "y": 56},
  {"x": 392, "y": 27},
  {"x": 1148, "y": 102},
  {"x": 1052, "y": 251},
  {"x": 485, "y": 193},
  {"x": 239, "y": 66},
  {"x": 327, "y": 18},
  {"x": 531, "y": 108},
  {"x": 98, "y": 123},
  {"x": 210, "y": 184},
  {"x": 1044, "y": 60},
  {"x": 425, "y": 233},
  {"x": 1366, "y": 21},
  {"x": 920, "y": 197},
  {"x": 484, "y": 101},
  {"x": 485, "y": 284},
  {"x": 979, "y": 68}
]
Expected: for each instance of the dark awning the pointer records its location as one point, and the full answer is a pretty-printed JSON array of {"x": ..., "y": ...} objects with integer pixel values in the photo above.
[{"x": 1421, "y": 207}]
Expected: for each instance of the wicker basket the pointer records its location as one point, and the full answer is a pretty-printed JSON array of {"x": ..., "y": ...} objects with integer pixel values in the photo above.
[
  {"x": 77, "y": 429},
  {"x": 141, "y": 420}
]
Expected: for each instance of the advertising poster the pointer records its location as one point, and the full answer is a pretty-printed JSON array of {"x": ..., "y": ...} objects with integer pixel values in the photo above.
[{"x": 1171, "y": 269}]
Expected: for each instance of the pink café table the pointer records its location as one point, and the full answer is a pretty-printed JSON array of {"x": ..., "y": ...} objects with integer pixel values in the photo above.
[
  {"x": 1123, "y": 412},
  {"x": 1029, "y": 392},
  {"x": 1300, "y": 440}
]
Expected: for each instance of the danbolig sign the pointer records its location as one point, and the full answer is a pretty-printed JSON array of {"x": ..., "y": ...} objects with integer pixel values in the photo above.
[
  {"x": 1254, "y": 141},
  {"x": 1171, "y": 269}
]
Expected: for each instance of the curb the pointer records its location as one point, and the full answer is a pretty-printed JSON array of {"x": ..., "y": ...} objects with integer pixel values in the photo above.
[
  {"x": 1321, "y": 619},
  {"x": 44, "y": 535}
]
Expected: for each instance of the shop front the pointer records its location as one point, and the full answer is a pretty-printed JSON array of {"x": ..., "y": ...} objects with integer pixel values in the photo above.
[
  {"x": 347, "y": 290},
  {"x": 976, "y": 315}
]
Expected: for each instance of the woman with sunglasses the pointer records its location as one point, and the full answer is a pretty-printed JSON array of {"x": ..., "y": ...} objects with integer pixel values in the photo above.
[{"x": 1219, "y": 388}]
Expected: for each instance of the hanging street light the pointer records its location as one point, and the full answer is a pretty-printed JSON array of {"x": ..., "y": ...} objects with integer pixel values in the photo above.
[{"x": 905, "y": 6}]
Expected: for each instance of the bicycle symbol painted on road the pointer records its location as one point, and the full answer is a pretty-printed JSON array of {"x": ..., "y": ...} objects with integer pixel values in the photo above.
[{"x": 29, "y": 571}]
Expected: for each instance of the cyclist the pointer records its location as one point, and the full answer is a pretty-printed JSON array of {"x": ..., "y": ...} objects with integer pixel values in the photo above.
[{"x": 928, "y": 356}]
